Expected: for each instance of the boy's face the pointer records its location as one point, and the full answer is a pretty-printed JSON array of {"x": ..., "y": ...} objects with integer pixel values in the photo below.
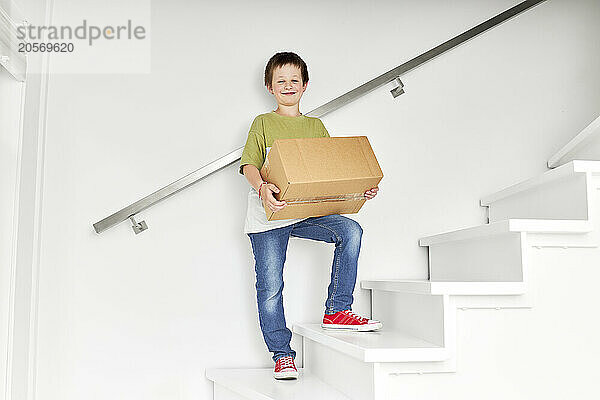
[{"x": 287, "y": 86}]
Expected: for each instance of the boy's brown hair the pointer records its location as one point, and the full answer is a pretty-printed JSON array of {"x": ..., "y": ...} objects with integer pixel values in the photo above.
[{"x": 281, "y": 59}]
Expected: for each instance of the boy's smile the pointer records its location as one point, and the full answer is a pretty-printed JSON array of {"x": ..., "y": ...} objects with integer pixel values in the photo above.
[{"x": 287, "y": 86}]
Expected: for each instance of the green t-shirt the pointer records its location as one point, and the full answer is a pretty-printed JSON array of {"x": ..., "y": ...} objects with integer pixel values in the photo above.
[{"x": 270, "y": 126}]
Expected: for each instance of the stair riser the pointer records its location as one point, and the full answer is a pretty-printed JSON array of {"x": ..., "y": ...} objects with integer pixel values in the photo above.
[
  {"x": 565, "y": 198},
  {"x": 368, "y": 380},
  {"x": 356, "y": 379},
  {"x": 222, "y": 393},
  {"x": 494, "y": 258},
  {"x": 591, "y": 239},
  {"x": 416, "y": 314}
]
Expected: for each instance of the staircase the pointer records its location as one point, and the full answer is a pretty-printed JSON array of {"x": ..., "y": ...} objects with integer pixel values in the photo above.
[{"x": 483, "y": 267}]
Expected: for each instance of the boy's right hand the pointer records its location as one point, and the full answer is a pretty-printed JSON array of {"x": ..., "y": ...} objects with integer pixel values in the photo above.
[{"x": 269, "y": 200}]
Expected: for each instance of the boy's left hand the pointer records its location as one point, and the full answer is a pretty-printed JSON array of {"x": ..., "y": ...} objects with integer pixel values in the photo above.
[{"x": 369, "y": 194}]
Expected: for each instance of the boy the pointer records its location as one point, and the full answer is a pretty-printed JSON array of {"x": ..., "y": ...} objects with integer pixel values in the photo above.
[{"x": 286, "y": 78}]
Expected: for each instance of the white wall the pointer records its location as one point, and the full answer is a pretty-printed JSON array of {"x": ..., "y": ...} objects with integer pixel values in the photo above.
[
  {"x": 140, "y": 317},
  {"x": 34, "y": 11},
  {"x": 10, "y": 157}
]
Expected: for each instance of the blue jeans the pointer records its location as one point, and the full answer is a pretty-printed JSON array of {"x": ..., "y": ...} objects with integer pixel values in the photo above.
[{"x": 270, "y": 248}]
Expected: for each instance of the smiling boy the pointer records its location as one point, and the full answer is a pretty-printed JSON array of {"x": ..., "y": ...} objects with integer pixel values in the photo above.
[{"x": 286, "y": 78}]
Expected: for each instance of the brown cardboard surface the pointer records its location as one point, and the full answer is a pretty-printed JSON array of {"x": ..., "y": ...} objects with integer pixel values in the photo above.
[{"x": 315, "y": 174}]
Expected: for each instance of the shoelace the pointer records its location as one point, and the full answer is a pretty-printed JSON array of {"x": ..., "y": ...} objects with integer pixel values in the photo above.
[
  {"x": 355, "y": 316},
  {"x": 286, "y": 362}
]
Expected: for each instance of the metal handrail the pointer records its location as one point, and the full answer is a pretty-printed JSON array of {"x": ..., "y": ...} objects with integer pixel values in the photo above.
[{"x": 394, "y": 74}]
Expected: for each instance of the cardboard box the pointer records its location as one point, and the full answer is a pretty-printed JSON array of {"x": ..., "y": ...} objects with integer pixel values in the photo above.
[{"x": 320, "y": 176}]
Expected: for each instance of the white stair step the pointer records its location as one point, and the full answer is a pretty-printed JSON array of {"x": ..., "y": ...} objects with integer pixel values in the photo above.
[
  {"x": 378, "y": 346},
  {"x": 584, "y": 144},
  {"x": 565, "y": 193},
  {"x": 496, "y": 252},
  {"x": 427, "y": 287},
  {"x": 569, "y": 169},
  {"x": 259, "y": 384},
  {"x": 510, "y": 225}
]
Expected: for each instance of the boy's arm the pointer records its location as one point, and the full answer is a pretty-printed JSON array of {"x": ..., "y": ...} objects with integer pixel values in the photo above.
[
  {"x": 253, "y": 176},
  {"x": 252, "y": 160},
  {"x": 254, "y": 152},
  {"x": 255, "y": 149}
]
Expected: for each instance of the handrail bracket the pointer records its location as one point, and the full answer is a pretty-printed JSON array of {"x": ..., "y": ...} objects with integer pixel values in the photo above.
[
  {"x": 138, "y": 227},
  {"x": 398, "y": 90}
]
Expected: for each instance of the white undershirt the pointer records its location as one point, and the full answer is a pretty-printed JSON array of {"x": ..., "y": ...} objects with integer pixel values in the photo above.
[{"x": 256, "y": 217}]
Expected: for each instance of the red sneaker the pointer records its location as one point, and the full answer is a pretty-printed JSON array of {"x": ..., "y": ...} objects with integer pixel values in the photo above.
[
  {"x": 348, "y": 320},
  {"x": 285, "y": 368}
]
